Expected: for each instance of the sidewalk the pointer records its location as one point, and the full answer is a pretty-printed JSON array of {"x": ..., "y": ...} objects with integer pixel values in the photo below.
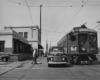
[{"x": 6, "y": 68}]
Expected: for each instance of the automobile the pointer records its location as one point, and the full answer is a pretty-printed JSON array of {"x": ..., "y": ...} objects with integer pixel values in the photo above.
[
  {"x": 56, "y": 56},
  {"x": 4, "y": 57}
]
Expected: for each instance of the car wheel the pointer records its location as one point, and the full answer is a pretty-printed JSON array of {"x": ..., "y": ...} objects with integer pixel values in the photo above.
[
  {"x": 4, "y": 59},
  {"x": 49, "y": 65}
]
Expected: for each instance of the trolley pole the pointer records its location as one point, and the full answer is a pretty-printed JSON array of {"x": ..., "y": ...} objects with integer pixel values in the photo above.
[{"x": 40, "y": 23}]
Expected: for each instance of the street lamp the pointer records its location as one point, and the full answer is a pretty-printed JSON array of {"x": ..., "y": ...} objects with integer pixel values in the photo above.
[{"x": 40, "y": 23}]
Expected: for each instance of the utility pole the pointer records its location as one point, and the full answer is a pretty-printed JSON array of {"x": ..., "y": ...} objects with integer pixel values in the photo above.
[
  {"x": 46, "y": 46},
  {"x": 40, "y": 23},
  {"x": 50, "y": 43}
]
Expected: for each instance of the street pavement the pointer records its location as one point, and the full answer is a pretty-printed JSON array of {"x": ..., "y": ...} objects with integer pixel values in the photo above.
[
  {"x": 26, "y": 71},
  {"x": 8, "y": 66}
]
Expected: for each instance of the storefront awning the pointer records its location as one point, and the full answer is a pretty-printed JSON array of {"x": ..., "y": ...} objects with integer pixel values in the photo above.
[{"x": 40, "y": 46}]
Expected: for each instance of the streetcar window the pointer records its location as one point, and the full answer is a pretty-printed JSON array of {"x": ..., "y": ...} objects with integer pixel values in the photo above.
[{"x": 93, "y": 38}]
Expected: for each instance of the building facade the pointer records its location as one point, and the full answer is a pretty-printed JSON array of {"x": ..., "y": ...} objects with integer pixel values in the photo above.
[
  {"x": 31, "y": 33},
  {"x": 20, "y": 41},
  {"x": 13, "y": 43}
]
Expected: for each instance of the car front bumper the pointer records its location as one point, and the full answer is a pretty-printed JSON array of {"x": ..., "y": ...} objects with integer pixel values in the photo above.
[{"x": 57, "y": 62}]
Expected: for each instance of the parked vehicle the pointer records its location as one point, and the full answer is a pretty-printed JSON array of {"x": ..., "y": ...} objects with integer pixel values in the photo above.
[
  {"x": 4, "y": 57},
  {"x": 56, "y": 55}
]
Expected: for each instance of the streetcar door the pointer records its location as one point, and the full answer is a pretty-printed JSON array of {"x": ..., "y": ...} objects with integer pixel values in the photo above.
[{"x": 83, "y": 43}]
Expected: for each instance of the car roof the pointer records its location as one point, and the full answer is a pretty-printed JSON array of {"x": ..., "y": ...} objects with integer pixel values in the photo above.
[{"x": 56, "y": 47}]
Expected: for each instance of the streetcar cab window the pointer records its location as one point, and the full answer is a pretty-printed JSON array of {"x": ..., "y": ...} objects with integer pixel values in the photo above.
[
  {"x": 83, "y": 38},
  {"x": 93, "y": 39}
]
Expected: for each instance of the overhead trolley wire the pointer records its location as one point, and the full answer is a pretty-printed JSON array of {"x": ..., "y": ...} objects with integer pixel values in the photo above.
[
  {"x": 76, "y": 14},
  {"x": 29, "y": 11},
  {"x": 24, "y": 5}
]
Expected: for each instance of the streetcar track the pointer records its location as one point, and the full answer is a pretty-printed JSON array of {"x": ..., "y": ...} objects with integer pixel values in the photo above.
[
  {"x": 91, "y": 69},
  {"x": 25, "y": 73},
  {"x": 7, "y": 71},
  {"x": 18, "y": 67}
]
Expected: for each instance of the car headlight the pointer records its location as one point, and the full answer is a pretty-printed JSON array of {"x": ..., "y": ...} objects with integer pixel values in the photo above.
[
  {"x": 51, "y": 59},
  {"x": 63, "y": 59}
]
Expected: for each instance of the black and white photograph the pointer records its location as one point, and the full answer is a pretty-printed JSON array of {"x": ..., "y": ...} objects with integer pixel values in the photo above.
[{"x": 49, "y": 39}]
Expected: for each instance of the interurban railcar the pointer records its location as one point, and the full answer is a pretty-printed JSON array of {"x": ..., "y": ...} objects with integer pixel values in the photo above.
[{"x": 80, "y": 44}]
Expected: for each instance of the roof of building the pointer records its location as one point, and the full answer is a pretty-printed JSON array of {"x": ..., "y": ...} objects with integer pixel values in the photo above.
[
  {"x": 15, "y": 35},
  {"x": 11, "y": 27}
]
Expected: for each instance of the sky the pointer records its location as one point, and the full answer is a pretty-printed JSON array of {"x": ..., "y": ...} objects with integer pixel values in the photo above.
[{"x": 57, "y": 16}]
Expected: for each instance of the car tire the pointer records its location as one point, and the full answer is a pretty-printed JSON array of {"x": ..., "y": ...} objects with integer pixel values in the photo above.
[
  {"x": 4, "y": 59},
  {"x": 49, "y": 65}
]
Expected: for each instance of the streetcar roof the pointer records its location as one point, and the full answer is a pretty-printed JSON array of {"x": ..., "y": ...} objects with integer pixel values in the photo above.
[{"x": 78, "y": 30}]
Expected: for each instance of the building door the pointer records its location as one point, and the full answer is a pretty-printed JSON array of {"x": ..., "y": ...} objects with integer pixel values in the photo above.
[{"x": 2, "y": 45}]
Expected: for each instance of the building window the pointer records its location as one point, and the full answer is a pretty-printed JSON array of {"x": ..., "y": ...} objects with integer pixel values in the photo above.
[
  {"x": 21, "y": 33},
  {"x": 26, "y": 34},
  {"x": 2, "y": 46}
]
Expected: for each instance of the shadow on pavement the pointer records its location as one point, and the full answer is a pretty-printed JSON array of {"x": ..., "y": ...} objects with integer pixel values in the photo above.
[
  {"x": 61, "y": 65},
  {"x": 90, "y": 63}
]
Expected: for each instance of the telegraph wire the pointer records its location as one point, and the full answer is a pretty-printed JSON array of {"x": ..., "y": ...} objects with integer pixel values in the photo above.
[
  {"x": 29, "y": 11},
  {"x": 76, "y": 14}
]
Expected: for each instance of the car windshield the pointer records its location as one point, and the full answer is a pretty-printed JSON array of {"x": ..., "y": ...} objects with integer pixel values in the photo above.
[{"x": 57, "y": 49}]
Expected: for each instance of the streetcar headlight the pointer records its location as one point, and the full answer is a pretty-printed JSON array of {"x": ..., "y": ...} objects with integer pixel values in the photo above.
[{"x": 83, "y": 49}]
